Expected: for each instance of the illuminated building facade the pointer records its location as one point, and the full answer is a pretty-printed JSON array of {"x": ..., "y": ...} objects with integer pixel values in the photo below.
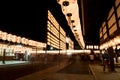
[
  {"x": 10, "y": 45},
  {"x": 56, "y": 36},
  {"x": 110, "y": 34},
  {"x": 70, "y": 44},
  {"x": 110, "y": 29}
]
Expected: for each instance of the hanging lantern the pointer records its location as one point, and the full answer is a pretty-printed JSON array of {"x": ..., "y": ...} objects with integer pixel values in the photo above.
[
  {"x": 69, "y": 18},
  {"x": 75, "y": 30},
  {"x": 73, "y": 26},
  {"x": 69, "y": 14},
  {"x": 72, "y": 21},
  {"x": 65, "y": 3}
]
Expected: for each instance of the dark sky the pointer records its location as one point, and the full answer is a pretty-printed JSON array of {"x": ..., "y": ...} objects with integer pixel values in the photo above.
[
  {"x": 24, "y": 18},
  {"x": 95, "y": 13}
]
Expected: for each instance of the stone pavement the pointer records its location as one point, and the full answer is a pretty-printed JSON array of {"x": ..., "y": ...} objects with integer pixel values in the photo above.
[
  {"x": 98, "y": 73},
  {"x": 53, "y": 74}
]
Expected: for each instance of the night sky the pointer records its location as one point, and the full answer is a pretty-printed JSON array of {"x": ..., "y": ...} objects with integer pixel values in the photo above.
[
  {"x": 95, "y": 13},
  {"x": 26, "y": 19}
]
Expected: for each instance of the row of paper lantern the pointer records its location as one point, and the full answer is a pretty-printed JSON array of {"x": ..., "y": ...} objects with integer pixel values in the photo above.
[
  {"x": 113, "y": 42},
  {"x": 18, "y": 39}
]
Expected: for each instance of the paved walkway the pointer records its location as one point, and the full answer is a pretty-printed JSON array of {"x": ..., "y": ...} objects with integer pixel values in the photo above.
[
  {"x": 100, "y": 75},
  {"x": 46, "y": 74},
  {"x": 53, "y": 74},
  {"x": 61, "y": 72}
]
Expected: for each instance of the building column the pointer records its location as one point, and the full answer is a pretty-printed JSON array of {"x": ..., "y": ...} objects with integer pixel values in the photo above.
[
  {"x": 112, "y": 55},
  {"x": 4, "y": 54}
]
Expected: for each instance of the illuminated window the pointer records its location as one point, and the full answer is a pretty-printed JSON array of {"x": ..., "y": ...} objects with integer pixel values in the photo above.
[
  {"x": 105, "y": 35},
  {"x": 111, "y": 21},
  {"x": 112, "y": 29},
  {"x": 104, "y": 29},
  {"x": 118, "y": 12},
  {"x": 117, "y": 2},
  {"x": 100, "y": 34},
  {"x": 110, "y": 13}
]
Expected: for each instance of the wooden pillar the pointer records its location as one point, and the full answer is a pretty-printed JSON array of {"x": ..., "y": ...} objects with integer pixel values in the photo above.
[
  {"x": 112, "y": 55},
  {"x": 4, "y": 54}
]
